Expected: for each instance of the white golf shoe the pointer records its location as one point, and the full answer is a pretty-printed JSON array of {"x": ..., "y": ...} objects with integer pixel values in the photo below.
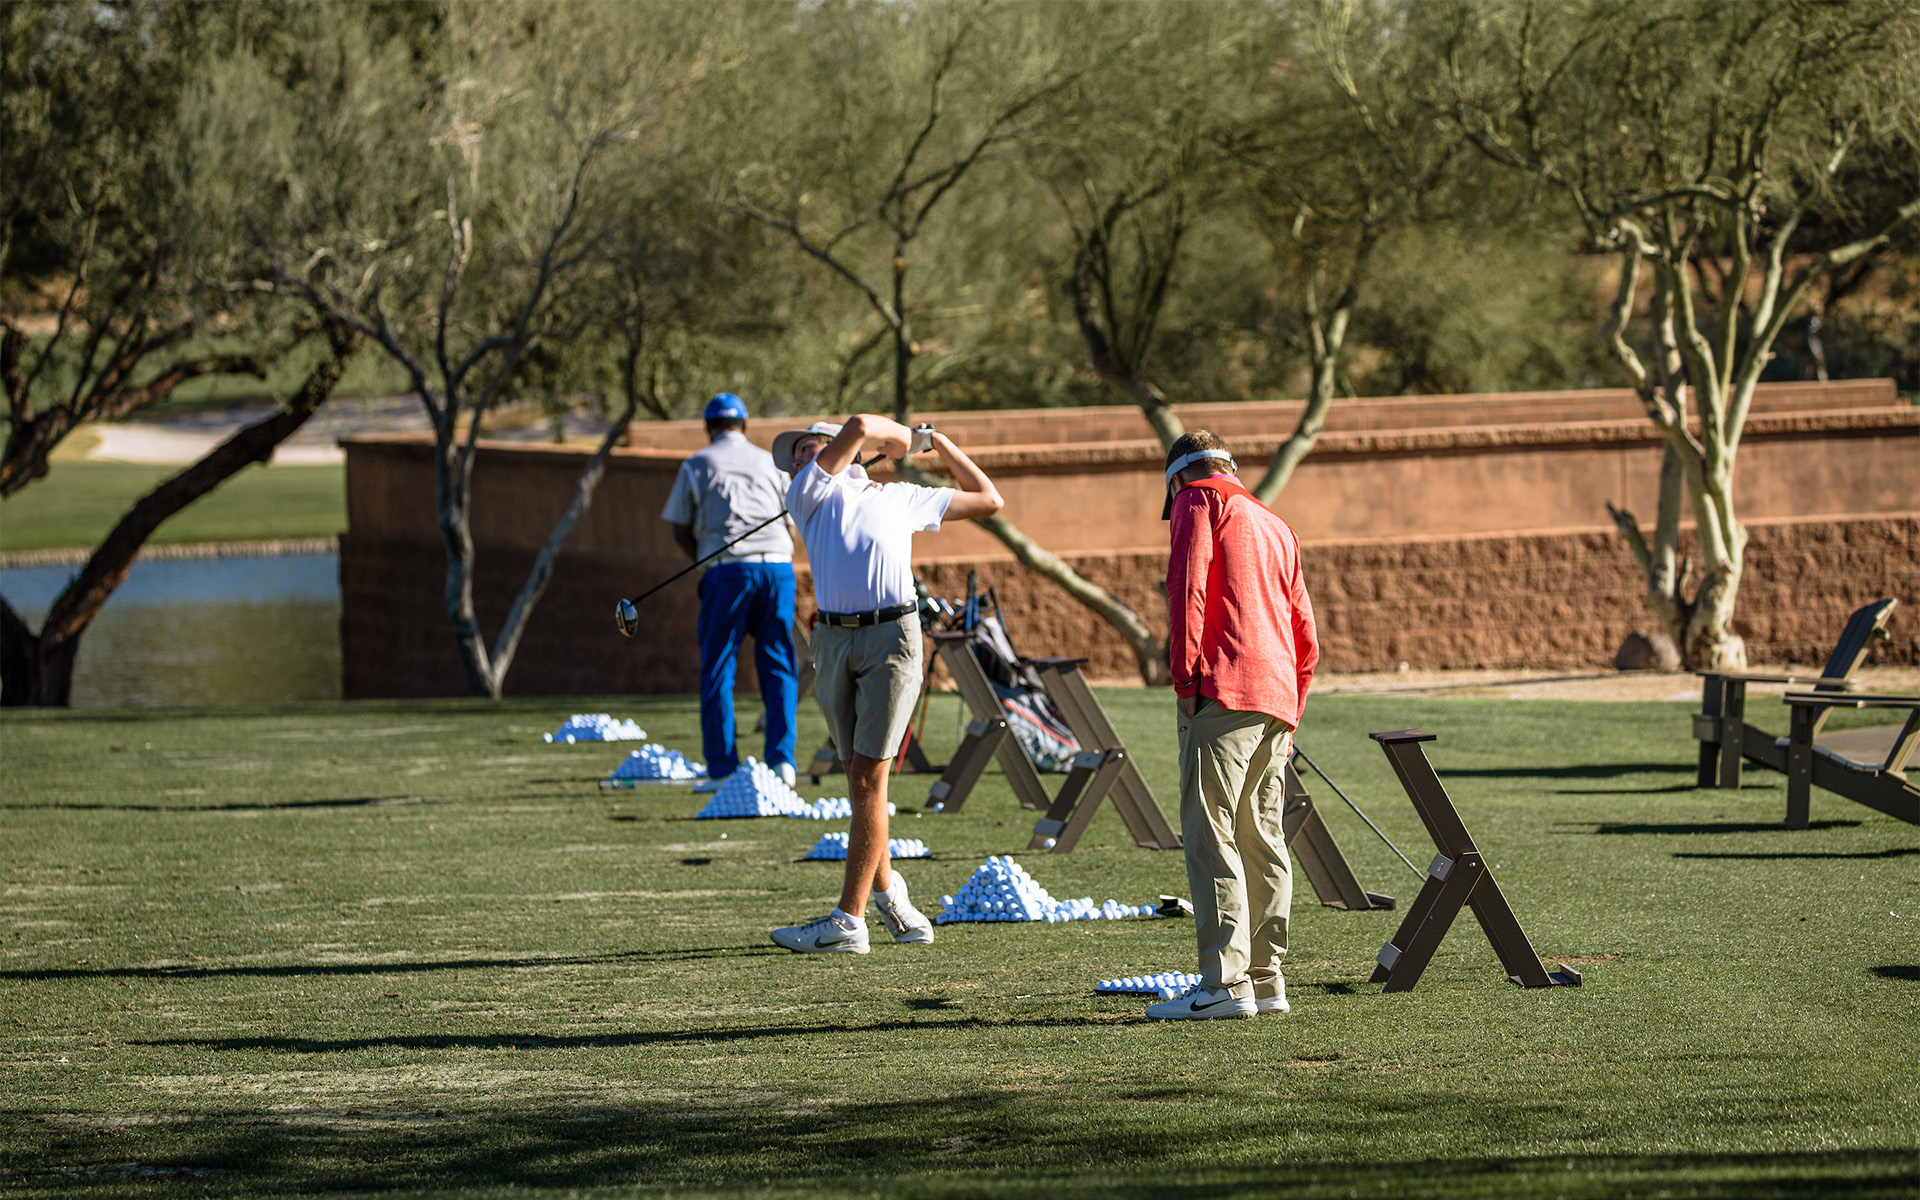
[
  {"x": 1273, "y": 1004},
  {"x": 786, "y": 773},
  {"x": 1205, "y": 1004},
  {"x": 905, "y": 922},
  {"x": 708, "y": 785},
  {"x": 825, "y": 936}
]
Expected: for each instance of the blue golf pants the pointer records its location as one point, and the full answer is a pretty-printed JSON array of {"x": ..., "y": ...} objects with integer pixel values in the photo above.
[{"x": 746, "y": 600}]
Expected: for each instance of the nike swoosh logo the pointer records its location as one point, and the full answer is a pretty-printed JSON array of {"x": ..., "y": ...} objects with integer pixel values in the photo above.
[{"x": 1210, "y": 1004}]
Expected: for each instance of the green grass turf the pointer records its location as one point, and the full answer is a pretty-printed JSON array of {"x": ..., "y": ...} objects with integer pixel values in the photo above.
[
  {"x": 408, "y": 947},
  {"x": 79, "y": 502}
]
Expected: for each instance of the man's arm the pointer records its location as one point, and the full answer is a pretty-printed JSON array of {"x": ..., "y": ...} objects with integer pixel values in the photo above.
[
  {"x": 864, "y": 431},
  {"x": 1187, "y": 568},
  {"x": 974, "y": 494},
  {"x": 683, "y": 538}
]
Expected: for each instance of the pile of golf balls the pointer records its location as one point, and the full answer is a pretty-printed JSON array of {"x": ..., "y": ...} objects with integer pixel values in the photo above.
[
  {"x": 837, "y": 808},
  {"x": 653, "y": 761},
  {"x": 833, "y": 846},
  {"x": 1165, "y": 986},
  {"x": 755, "y": 790},
  {"x": 595, "y": 727},
  {"x": 1001, "y": 890}
]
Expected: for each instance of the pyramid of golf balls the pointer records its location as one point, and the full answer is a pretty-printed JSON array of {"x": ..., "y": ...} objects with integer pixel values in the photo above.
[
  {"x": 653, "y": 761},
  {"x": 1165, "y": 986},
  {"x": 833, "y": 846},
  {"x": 837, "y": 808},
  {"x": 596, "y": 727},
  {"x": 1001, "y": 890},
  {"x": 755, "y": 790}
]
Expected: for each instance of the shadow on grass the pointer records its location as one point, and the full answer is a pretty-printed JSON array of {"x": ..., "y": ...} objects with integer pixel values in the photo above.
[
  {"x": 1909, "y": 973},
  {"x": 743, "y": 1034},
  {"x": 1718, "y": 827},
  {"x": 1582, "y": 771},
  {"x": 1898, "y": 852},
  {"x": 284, "y": 970},
  {"x": 985, "y": 1142},
  {"x": 239, "y": 806}
]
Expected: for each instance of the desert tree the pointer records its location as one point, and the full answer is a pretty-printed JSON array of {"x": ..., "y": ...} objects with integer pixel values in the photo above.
[
  {"x": 1335, "y": 155},
  {"x": 111, "y": 266},
  {"x": 1713, "y": 151},
  {"x": 486, "y": 239}
]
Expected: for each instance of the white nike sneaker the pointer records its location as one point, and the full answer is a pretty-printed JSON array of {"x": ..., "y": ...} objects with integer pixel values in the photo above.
[
  {"x": 786, "y": 773},
  {"x": 1202, "y": 1004},
  {"x": 1271, "y": 1004},
  {"x": 824, "y": 936},
  {"x": 902, "y": 919},
  {"x": 708, "y": 785}
]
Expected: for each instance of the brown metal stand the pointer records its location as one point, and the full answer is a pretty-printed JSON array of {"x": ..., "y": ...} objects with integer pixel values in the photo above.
[
  {"x": 1132, "y": 798},
  {"x": 988, "y": 736},
  {"x": 1319, "y": 855},
  {"x": 1459, "y": 876}
]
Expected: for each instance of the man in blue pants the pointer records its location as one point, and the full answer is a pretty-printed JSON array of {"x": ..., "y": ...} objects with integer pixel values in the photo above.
[{"x": 720, "y": 493}]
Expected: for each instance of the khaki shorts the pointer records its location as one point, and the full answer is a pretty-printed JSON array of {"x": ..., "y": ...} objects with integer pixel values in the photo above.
[{"x": 867, "y": 680}]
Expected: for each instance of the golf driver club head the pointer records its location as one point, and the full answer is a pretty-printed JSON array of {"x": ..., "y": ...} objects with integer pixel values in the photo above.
[{"x": 627, "y": 617}]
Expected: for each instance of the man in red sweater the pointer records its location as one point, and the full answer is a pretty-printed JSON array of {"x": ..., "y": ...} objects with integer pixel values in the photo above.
[{"x": 1242, "y": 647}]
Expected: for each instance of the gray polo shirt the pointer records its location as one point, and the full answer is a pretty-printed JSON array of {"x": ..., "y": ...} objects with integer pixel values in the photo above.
[{"x": 727, "y": 489}]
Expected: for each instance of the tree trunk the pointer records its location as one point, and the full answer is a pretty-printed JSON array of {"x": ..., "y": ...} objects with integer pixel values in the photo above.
[
  {"x": 1149, "y": 652},
  {"x": 1326, "y": 363},
  {"x": 37, "y": 669}
]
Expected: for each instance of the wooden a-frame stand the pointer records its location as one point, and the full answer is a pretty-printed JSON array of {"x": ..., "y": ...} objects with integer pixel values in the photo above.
[
  {"x": 988, "y": 736},
  {"x": 1102, "y": 768},
  {"x": 1319, "y": 855},
  {"x": 1459, "y": 876}
]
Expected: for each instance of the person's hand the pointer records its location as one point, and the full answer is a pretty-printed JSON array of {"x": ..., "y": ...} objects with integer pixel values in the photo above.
[{"x": 1190, "y": 705}]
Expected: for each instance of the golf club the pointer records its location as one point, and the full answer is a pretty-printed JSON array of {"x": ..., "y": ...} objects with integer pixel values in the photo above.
[{"x": 626, "y": 614}]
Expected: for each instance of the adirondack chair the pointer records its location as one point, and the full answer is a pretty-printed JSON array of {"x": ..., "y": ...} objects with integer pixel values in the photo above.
[
  {"x": 1721, "y": 724},
  {"x": 1844, "y": 763}
]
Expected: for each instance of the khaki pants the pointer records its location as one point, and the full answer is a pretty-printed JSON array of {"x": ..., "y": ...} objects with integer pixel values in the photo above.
[{"x": 1231, "y": 790}]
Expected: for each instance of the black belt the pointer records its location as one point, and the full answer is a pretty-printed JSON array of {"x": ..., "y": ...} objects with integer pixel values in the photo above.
[{"x": 861, "y": 620}]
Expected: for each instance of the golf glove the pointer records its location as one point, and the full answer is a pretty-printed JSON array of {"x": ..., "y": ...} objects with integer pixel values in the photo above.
[{"x": 922, "y": 439}]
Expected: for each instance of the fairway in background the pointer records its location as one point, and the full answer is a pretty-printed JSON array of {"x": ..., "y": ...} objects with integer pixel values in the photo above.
[{"x": 77, "y": 504}]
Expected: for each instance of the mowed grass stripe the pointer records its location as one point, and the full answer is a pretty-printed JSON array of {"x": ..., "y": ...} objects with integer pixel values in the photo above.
[{"x": 408, "y": 947}]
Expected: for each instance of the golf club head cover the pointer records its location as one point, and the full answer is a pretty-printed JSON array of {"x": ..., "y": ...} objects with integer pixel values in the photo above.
[{"x": 922, "y": 439}]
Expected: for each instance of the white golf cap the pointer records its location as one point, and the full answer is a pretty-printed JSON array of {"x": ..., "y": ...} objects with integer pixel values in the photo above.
[{"x": 783, "y": 442}]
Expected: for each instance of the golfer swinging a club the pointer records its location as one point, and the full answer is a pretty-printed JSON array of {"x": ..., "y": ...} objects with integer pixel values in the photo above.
[{"x": 866, "y": 647}]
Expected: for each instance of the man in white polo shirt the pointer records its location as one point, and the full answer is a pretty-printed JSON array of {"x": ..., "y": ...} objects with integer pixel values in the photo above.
[{"x": 866, "y": 646}]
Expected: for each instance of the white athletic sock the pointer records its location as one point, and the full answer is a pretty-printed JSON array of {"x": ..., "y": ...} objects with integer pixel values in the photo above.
[{"x": 844, "y": 921}]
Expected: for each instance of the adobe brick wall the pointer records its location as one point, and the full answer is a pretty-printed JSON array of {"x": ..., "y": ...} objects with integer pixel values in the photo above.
[{"x": 1494, "y": 559}]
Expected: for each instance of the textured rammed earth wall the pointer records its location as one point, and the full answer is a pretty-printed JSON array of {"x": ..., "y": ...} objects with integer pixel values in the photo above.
[
  {"x": 1553, "y": 600},
  {"x": 1494, "y": 559}
]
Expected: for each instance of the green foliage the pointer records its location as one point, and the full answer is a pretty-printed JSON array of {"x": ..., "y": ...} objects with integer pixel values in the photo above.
[{"x": 404, "y": 947}]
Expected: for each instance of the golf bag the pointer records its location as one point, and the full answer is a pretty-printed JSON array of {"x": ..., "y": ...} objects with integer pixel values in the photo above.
[{"x": 1036, "y": 723}]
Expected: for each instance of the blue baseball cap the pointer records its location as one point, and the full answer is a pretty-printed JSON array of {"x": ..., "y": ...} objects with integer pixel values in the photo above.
[{"x": 725, "y": 406}]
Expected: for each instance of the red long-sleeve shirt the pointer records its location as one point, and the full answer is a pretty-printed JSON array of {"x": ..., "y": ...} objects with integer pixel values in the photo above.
[{"x": 1241, "y": 626}]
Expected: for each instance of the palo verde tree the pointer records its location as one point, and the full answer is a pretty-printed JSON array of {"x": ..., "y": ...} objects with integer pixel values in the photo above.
[
  {"x": 1715, "y": 150},
  {"x": 102, "y": 264},
  {"x": 485, "y": 238}
]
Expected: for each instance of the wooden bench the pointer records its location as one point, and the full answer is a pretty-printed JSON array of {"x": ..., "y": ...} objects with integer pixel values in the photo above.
[
  {"x": 1721, "y": 724},
  {"x": 1843, "y": 763}
]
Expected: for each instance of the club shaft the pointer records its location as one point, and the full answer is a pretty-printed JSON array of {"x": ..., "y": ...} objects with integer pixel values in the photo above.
[
  {"x": 697, "y": 564},
  {"x": 1356, "y": 808}
]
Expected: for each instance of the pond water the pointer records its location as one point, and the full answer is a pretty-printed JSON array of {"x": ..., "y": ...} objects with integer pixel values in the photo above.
[{"x": 202, "y": 631}]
